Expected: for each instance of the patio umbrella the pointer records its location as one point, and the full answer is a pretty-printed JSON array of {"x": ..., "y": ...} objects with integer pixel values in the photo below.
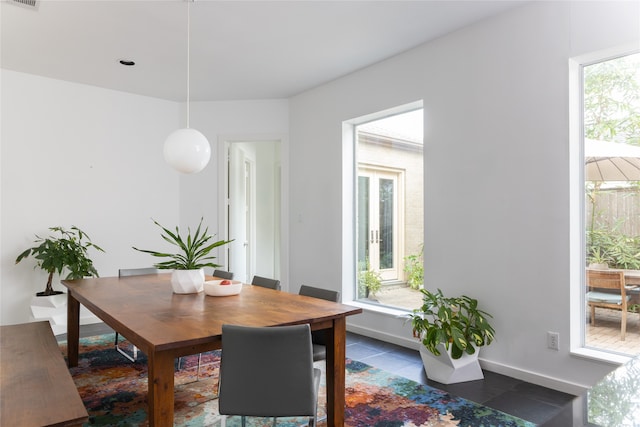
[{"x": 611, "y": 161}]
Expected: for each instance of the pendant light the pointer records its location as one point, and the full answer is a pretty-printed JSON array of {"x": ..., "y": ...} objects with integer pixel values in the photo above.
[{"x": 187, "y": 150}]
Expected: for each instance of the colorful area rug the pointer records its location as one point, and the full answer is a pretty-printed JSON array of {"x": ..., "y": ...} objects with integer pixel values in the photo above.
[{"x": 114, "y": 391}]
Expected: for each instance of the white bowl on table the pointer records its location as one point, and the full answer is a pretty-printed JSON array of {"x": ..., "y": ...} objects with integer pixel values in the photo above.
[{"x": 214, "y": 288}]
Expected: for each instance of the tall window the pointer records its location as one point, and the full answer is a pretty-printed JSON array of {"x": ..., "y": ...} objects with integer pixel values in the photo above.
[
  {"x": 611, "y": 119},
  {"x": 389, "y": 211}
]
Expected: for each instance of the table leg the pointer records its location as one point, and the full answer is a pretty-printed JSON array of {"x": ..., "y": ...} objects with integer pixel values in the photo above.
[
  {"x": 73, "y": 330},
  {"x": 161, "y": 394},
  {"x": 336, "y": 343}
]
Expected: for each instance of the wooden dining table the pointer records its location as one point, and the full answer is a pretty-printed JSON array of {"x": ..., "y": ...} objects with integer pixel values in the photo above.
[{"x": 165, "y": 325}]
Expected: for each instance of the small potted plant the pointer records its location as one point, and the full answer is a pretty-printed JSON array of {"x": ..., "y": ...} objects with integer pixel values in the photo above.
[
  {"x": 67, "y": 251},
  {"x": 414, "y": 267},
  {"x": 598, "y": 260},
  {"x": 451, "y": 329},
  {"x": 369, "y": 280},
  {"x": 188, "y": 263}
]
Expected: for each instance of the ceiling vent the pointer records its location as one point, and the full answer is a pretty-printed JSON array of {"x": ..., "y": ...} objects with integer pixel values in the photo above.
[{"x": 31, "y": 4}]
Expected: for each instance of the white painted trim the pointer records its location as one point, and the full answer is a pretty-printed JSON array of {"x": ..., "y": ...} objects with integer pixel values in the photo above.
[
  {"x": 534, "y": 378},
  {"x": 223, "y": 141},
  {"x": 413, "y": 344},
  {"x": 614, "y": 359},
  {"x": 577, "y": 280}
]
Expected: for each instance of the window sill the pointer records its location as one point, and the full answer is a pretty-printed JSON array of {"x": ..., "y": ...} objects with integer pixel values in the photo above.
[
  {"x": 601, "y": 356},
  {"x": 383, "y": 309}
]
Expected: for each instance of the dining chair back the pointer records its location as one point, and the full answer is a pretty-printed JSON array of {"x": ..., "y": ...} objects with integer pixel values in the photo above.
[
  {"x": 223, "y": 274},
  {"x": 606, "y": 289},
  {"x": 326, "y": 294},
  {"x": 319, "y": 338},
  {"x": 266, "y": 282},
  {"x": 268, "y": 372},
  {"x": 124, "y": 272}
]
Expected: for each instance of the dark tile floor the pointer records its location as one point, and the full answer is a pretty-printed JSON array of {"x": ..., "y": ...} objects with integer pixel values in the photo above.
[
  {"x": 524, "y": 400},
  {"x": 531, "y": 402}
]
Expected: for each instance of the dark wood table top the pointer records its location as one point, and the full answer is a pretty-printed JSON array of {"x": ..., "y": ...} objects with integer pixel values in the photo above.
[
  {"x": 165, "y": 325},
  {"x": 36, "y": 388},
  {"x": 146, "y": 311}
]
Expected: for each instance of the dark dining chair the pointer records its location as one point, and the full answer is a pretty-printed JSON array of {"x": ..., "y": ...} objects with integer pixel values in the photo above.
[
  {"x": 319, "y": 337},
  {"x": 268, "y": 372},
  {"x": 266, "y": 282},
  {"x": 223, "y": 274},
  {"x": 124, "y": 272}
]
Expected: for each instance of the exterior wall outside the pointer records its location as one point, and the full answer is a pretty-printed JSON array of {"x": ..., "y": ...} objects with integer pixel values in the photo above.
[{"x": 407, "y": 158}]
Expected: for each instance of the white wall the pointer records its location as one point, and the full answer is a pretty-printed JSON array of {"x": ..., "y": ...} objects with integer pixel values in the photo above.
[
  {"x": 496, "y": 174},
  {"x": 79, "y": 155},
  {"x": 257, "y": 120}
]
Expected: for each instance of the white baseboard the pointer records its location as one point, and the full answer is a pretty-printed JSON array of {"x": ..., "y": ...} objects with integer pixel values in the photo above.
[
  {"x": 534, "y": 378},
  {"x": 499, "y": 368},
  {"x": 411, "y": 343}
]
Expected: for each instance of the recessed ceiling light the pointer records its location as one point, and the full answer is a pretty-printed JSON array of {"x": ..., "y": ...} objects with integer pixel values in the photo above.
[{"x": 127, "y": 62}]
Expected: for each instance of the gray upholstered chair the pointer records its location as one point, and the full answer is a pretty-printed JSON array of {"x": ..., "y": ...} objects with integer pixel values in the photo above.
[
  {"x": 223, "y": 274},
  {"x": 268, "y": 372},
  {"x": 266, "y": 282},
  {"x": 124, "y": 272},
  {"x": 319, "y": 337}
]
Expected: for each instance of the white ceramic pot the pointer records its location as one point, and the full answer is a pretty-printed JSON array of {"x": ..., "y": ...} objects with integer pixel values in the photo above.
[
  {"x": 599, "y": 266},
  {"x": 187, "y": 281},
  {"x": 446, "y": 370}
]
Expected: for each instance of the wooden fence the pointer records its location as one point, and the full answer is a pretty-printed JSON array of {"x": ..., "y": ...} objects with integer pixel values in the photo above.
[{"x": 615, "y": 208}]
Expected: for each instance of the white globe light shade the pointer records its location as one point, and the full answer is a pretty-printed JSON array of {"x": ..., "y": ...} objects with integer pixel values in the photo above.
[{"x": 187, "y": 150}]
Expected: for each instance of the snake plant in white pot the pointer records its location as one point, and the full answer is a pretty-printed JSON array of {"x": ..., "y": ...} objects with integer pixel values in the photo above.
[
  {"x": 187, "y": 264},
  {"x": 451, "y": 330}
]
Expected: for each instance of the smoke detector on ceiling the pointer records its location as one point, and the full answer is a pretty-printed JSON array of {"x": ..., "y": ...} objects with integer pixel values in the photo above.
[{"x": 31, "y": 4}]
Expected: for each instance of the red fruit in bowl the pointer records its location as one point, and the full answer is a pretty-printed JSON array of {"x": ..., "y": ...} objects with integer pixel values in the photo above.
[{"x": 225, "y": 282}]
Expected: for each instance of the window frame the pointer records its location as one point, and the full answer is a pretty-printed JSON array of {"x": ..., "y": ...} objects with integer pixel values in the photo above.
[
  {"x": 350, "y": 182},
  {"x": 577, "y": 235}
]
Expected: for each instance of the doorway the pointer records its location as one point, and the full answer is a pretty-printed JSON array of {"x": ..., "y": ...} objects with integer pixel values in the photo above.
[
  {"x": 252, "y": 215},
  {"x": 379, "y": 214}
]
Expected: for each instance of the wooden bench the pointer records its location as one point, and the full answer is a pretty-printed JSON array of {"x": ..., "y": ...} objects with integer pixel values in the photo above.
[{"x": 36, "y": 388}]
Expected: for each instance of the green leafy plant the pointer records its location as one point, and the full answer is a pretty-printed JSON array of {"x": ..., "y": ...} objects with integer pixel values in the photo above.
[
  {"x": 414, "y": 267},
  {"x": 456, "y": 322},
  {"x": 369, "y": 280},
  {"x": 194, "y": 249},
  {"x": 67, "y": 251},
  {"x": 613, "y": 248}
]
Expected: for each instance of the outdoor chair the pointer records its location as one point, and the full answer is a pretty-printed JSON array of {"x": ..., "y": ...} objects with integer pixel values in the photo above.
[
  {"x": 607, "y": 290},
  {"x": 268, "y": 372},
  {"x": 124, "y": 272},
  {"x": 266, "y": 282},
  {"x": 319, "y": 338}
]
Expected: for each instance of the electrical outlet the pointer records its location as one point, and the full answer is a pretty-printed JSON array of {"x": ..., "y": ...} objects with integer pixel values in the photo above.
[{"x": 553, "y": 340}]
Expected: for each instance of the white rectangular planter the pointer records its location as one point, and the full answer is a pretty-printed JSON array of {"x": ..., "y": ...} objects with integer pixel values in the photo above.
[
  {"x": 446, "y": 370},
  {"x": 54, "y": 309}
]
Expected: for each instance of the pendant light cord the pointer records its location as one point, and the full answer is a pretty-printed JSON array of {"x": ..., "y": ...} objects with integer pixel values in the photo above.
[{"x": 188, "y": 55}]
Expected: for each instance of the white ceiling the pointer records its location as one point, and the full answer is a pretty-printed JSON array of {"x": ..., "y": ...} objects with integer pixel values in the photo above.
[{"x": 239, "y": 49}]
